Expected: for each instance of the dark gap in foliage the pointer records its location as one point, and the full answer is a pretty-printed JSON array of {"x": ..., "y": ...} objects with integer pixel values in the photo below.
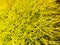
[
  {"x": 58, "y": 1},
  {"x": 57, "y": 24}
]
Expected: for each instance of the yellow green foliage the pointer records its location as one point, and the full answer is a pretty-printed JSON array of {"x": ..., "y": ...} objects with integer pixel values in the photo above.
[{"x": 29, "y": 22}]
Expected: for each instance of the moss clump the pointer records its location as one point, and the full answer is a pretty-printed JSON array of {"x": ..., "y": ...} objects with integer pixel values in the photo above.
[{"x": 30, "y": 22}]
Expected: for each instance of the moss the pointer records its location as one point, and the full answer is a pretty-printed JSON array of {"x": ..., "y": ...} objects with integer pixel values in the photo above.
[
  {"x": 8, "y": 38},
  {"x": 30, "y": 22},
  {"x": 56, "y": 24}
]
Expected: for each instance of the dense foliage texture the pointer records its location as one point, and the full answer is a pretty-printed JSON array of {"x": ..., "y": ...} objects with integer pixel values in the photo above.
[{"x": 30, "y": 22}]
